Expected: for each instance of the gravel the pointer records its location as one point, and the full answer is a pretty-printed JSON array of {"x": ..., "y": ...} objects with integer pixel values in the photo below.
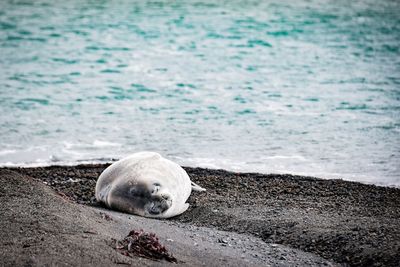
[{"x": 346, "y": 222}]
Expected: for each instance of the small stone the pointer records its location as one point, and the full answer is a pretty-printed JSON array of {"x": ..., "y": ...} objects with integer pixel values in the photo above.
[{"x": 221, "y": 240}]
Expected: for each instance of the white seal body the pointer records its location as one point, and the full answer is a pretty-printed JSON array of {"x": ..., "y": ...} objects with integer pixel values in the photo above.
[{"x": 145, "y": 184}]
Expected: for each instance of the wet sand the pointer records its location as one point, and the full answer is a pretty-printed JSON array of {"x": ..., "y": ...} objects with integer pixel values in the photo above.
[{"x": 346, "y": 223}]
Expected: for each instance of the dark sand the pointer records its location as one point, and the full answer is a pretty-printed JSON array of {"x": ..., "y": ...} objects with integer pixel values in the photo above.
[{"x": 344, "y": 222}]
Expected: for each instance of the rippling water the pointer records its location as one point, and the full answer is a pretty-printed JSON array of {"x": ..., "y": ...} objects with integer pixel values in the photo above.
[{"x": 306, "y": 87}]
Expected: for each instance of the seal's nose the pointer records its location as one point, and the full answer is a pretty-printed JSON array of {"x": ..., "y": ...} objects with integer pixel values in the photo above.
[
  {"x": 159, "y": 205},
  {"x": 154, "y": 210}
]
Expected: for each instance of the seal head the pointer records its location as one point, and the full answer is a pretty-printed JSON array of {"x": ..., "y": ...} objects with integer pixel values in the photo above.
[{"x": 140, "y": 199}]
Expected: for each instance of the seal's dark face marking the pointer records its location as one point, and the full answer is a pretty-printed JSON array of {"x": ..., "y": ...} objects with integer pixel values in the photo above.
[{"x": 141, "y": 199}]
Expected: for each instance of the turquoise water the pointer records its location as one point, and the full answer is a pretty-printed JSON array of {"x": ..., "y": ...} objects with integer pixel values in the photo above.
[{"x": 305, "y": 87}]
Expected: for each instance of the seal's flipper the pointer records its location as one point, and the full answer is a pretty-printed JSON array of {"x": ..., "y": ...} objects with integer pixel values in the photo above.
[{"x": 196, "y": 187}]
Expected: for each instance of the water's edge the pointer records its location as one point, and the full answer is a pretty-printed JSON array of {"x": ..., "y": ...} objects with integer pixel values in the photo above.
[{"x": 105, "y": 163}]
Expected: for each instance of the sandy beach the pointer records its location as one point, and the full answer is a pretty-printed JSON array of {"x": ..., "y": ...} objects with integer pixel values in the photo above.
[{"x": 49, "y": 217}]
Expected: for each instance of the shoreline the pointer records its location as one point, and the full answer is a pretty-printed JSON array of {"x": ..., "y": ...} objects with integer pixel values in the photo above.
[
  {"x": 345, "y": 222},
  {"x": 328, "y": 176}
]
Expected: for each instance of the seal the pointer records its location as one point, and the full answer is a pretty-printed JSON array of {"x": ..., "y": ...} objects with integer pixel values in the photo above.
[{"x": 145, "y": 184}]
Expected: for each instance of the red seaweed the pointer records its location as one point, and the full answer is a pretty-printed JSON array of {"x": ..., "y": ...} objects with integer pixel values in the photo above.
[{"x": 142, "y": 244}]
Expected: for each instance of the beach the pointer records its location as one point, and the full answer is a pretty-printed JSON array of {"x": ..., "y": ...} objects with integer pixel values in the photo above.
[
  {"x": 50, "y": 217},
  {"x": 286, "y": 112}
]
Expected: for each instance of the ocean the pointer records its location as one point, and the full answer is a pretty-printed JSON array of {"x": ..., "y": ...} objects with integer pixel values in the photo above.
[{"x": 300, "y": 87}]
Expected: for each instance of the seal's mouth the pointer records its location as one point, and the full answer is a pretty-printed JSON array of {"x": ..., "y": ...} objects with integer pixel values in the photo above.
[
  {"x": 158, "y": 207},
  {"x": 154, "y": 211}
]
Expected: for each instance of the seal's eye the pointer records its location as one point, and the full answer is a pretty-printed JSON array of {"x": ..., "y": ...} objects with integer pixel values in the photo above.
[
  {"x": 135, "y": 192},
  {"x": 156, "y": 187}
]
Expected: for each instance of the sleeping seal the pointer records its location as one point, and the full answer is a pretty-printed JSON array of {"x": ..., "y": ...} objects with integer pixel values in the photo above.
[{"x": 145, "y": 184}]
